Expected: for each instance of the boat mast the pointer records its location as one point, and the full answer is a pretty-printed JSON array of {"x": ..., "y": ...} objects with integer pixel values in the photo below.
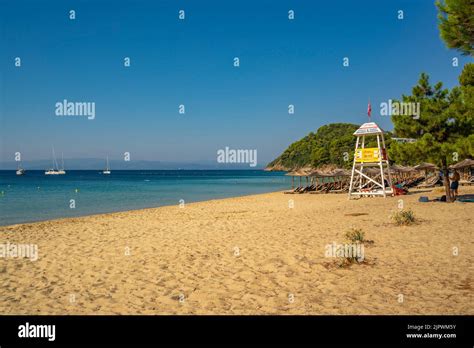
[{"x": 54, "y": 159}]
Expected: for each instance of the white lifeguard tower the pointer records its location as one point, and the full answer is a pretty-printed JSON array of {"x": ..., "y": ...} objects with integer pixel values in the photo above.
[{"x": 372, "y": 161}]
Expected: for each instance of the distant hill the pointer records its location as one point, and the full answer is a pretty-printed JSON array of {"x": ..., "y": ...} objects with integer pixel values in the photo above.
[{"x": 325, "y": 147}]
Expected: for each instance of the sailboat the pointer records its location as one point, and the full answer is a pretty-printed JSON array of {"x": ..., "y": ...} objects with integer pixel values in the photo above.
[
  {"x": 107, "y": 170},
  {"x": 20, "y": 171},
  {"x": 55, "y": 170}
]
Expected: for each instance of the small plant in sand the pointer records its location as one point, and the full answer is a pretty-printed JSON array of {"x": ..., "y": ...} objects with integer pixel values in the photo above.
[
  {"x": 351, "y": 252},
  {"x": 404, "y": 217},
  {"x": 355, "y": 235}
]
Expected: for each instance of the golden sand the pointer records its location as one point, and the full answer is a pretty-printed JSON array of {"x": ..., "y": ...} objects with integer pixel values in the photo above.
[{"x": 247, "y": 255}]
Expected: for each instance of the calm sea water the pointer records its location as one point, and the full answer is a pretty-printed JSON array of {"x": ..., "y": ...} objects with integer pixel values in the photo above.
[{"x": 35, "y": 196}]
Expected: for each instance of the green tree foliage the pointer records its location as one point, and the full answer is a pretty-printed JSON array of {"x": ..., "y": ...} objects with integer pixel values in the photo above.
[
  {"x": 327, "y": 146},
  {"x": 444, "y": 131},
  {"x": 457, "y": 24}
]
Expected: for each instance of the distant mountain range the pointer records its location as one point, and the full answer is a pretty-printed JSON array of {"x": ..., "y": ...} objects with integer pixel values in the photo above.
[{"x": 99, "y": 164}]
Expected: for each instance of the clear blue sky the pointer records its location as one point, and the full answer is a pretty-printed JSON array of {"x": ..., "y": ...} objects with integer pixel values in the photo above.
[{"x": 191, "y": 62}]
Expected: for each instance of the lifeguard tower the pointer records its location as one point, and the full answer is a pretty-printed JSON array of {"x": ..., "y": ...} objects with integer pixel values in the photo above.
[{"x": 371, "y": 161}]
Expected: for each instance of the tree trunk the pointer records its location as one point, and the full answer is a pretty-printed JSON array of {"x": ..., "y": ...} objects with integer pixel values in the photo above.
[{"x": 446, "y": 181}]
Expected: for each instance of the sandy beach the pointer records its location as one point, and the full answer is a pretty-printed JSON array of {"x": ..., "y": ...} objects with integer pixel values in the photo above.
[{"x": 247, "y": 255}]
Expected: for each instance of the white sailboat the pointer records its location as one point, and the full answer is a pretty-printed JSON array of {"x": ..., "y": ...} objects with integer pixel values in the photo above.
[
  {"x": 20, "y": 171},
  {"x": 55, "y": 170},
  {"x": 107, "y": 170}
]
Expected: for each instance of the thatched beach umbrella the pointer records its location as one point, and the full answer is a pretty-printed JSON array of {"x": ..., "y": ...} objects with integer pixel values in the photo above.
[
  {"x": 341, "y": 172},
  {"x": 372, "y": 170},
  {"x": 320, "y": 174},
  {"x": 400, "y": 171},
  {"x": 317, "y": 173},
  {"x": 467, "y": 163},
  {"x": 465, "y": 166},
  {"x": 292, "y": 174},
  {"x": 342, "y": 175},
  {"x": 397, "y": 168},
  {"x": 426, "y": 167},
  {"x": 299, "y": 173}
]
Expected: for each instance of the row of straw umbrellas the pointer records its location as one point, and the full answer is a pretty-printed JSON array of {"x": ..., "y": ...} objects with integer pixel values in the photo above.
[
  {"x": 313, "y": 175},
  {"x": 398, "y": 172},
  {"x": 467, "y": 163},
  {"x": 394, "y": 169},
  {"x": 340, "y": 172}
]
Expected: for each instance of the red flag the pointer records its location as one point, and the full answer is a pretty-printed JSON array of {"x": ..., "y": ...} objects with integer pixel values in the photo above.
[{"x": 369, "y": 109}]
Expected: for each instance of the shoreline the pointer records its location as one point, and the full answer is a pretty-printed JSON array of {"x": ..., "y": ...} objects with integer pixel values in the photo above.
[
  {"x": 412, "y": 192},
  {"x": 132, "y": 210},
  {"x": 245, "y": 255},
  {"x": 35, "y": 198}
]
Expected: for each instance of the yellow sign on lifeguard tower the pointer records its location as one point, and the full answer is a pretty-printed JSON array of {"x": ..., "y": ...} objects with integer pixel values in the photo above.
[
  {"x": 373, "y": 184},
  {"x": 369, "y": 154}
]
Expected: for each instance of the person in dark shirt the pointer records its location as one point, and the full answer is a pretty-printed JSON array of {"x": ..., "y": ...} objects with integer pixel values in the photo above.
[{"x": 455, "y": 184}]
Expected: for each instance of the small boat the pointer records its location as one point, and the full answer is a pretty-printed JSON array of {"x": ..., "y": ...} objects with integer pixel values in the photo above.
[
  {"x": 107, "y": 170},
  {"x": 51, "y": 172},
  {"x": 20, "y": 170}
]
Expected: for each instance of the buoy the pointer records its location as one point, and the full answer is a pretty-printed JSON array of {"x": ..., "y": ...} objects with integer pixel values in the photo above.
[{"x": 77, "y": 190}]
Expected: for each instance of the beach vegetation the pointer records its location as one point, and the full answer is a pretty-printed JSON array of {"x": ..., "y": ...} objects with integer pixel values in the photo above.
[
  {"x": 355, "y": 235},
  {"x": 444, "y": 131},
  {"x": 404, "y": 217},
  {"x": 347, "y": 253}
]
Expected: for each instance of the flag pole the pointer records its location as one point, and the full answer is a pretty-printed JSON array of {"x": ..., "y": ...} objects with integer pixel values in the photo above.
[{"x": 369, "y": 109}]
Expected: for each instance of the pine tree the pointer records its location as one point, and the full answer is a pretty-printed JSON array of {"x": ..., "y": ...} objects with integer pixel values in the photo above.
[
  {"x": 444, "y": 130},
  {"x": 457, "y": 24}
]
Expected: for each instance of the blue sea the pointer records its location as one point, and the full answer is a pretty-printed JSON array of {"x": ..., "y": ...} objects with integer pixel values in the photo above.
[{"x": 35, "y": 196}]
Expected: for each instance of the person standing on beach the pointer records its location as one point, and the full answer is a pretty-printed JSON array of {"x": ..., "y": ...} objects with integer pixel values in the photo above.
[{"x": 455, "y": 184}]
